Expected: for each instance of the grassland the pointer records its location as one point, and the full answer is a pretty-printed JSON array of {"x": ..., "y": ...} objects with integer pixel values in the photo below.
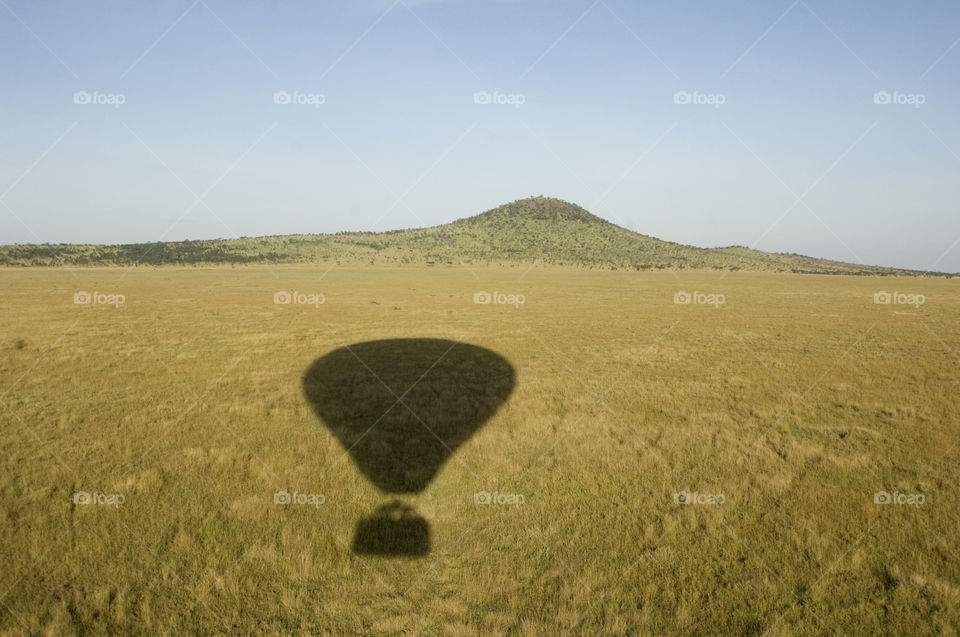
[{"x": 787, "y": 408}]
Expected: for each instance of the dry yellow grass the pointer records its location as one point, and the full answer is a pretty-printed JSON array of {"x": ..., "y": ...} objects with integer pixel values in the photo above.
[{"x": 781, "y": 413}]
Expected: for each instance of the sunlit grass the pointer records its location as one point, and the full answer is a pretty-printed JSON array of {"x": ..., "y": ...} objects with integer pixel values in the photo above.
[{"x": 796, "y": 400}]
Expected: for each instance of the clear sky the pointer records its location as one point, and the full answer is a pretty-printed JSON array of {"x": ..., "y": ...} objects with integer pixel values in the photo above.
[{"x": 783, "y": 145}]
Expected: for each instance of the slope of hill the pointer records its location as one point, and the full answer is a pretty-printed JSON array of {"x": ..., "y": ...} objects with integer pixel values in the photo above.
[{"x": 538, "y": 229}]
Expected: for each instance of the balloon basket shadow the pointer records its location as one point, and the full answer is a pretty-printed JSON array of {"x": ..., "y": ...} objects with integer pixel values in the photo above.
[{"x": 394, "y": 530}]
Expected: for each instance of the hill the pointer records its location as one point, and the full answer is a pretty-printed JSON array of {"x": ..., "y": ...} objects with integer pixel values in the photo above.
[{"x": 538, "y": 229}]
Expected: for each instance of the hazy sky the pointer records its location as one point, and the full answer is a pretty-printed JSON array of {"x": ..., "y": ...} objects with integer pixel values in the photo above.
[{"x": 782, "y": 145}]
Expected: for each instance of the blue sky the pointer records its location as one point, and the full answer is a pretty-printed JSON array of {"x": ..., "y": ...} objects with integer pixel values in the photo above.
[{"x": 782, "y": 145}]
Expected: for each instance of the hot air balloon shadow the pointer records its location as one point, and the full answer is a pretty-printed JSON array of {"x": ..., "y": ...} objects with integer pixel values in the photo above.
[{"x": 401, "y": 408}]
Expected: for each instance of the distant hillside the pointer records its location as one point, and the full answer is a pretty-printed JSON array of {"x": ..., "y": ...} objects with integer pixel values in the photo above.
[{"x": 539, "y": 229}]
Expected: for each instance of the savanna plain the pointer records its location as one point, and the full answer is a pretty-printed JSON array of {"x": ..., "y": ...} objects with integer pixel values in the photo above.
[{"x": 781, "y": 460}]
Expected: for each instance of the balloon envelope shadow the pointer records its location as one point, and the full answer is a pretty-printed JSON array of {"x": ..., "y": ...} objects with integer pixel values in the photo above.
[{"x": 401, "y": 408}]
